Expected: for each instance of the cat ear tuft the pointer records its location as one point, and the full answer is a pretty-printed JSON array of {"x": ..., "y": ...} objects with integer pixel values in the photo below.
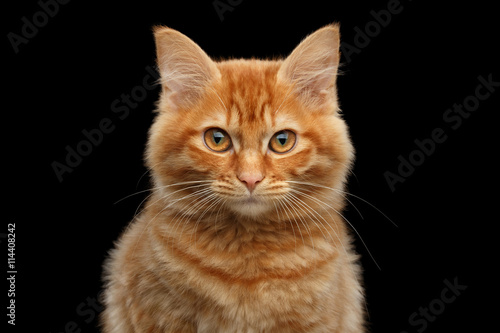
[
  {"x": 185, "y": 68},
  {"x": 312, "y": 66}
]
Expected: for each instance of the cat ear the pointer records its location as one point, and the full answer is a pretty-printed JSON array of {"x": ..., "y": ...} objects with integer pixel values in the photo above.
[
  {"x": 312, "y": 66},
  {"x": 185, "y": 68}
]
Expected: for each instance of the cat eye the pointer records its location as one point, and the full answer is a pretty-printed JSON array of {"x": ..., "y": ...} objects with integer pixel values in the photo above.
[
  {"x": 283, "y": 141},
  {"x": 217, "y": 140}
]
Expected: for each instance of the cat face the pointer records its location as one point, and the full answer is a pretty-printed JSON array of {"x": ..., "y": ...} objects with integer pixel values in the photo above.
[{"x": 247, "y": 135}]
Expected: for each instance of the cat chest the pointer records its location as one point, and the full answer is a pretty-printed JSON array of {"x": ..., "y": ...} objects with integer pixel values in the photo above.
[
  {"x": 258, "y": 285},
  {"x": 262, "y": 306}
]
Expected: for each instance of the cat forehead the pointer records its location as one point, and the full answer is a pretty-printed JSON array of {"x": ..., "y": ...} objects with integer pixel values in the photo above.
[
  {"x": 250, "y": 93},
  {"x": 247, "y": 123}
]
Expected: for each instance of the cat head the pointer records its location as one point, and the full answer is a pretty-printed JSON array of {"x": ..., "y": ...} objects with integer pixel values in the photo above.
[{"x": 248, "y": 135}]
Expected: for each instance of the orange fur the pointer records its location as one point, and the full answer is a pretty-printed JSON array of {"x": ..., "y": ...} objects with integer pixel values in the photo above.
[{"x": 209, "y": 252}]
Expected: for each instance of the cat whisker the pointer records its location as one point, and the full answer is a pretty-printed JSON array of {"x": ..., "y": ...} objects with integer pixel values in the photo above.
[
  {"x": 165, "y": 208},
  {"x": 136, "y": 212},
  {"x": 346, "y": 193},
  {"x": 329, "y": 198},
  {"x": 207, "y": 200},
  {"x": 287, "y": 209},
  {"x": 212, "y": 202},
  {"x": 326, "y": 222},
  {"x": 280, "y": 203},
  {"x": 302, "y": 220},
  {"x": 277, "y": 212},
  {"x": 337, "y": 236},
  {"x": 148, "y": 169},
  {"x": 164, "y": 197},
  {"x": 201, "y": 197},
  {"x": 311, "y": 213},
  {"x": 345, "y": 219},
  {"x": 131, "y": 195},
  {"x": 222, "y": 203},
  {"x": 370, "y": 204},
  {"x": 203, "y": 187},
  {"x": 162, "y": 187},
  {"x": 349, "y": 170}
]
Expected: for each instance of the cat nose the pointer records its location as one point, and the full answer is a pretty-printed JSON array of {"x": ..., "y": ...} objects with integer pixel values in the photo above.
[{"x": 250, "y": 180}]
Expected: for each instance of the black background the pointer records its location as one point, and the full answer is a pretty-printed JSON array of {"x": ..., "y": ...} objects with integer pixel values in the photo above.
[{"x": 393, "y": 91}]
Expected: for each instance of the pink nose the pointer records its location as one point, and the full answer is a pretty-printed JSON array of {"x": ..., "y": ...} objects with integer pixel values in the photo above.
[{"x": 250, "y": 180}]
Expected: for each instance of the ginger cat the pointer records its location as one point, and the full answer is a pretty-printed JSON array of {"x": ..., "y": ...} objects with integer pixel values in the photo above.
[{"x": 243, "y": 230}]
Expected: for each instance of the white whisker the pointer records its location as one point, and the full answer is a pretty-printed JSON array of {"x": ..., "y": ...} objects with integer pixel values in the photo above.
[
  {"x": 281, "y": 203},
  {"x": 194, "y": 207},
  {"x": 164, "y": 197},
  {"x": 310, "y": 212},
  {"x": 345, "y": 219},
  {"x": 213, "y": 201},
  {"x": 162, "y": 187},
  {"x": 302, "y": 220},
  {"x": 344, "y": 192},
  {"x": 329, "y": 198},
  {"x": 328, "y": 224},
  {"x": 168, "y": 206}
]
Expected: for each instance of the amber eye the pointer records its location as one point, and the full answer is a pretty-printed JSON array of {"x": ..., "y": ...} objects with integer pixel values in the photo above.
[
  {"x": 282, "y": 141},
  {"x": 217, "y": 140}
]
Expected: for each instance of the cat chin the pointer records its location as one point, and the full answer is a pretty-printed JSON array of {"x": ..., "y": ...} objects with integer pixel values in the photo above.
[{"x": 251, "y": 207}]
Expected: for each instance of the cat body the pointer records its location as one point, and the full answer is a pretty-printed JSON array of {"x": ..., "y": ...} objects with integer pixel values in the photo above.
[{"x": 243, "y": 231}]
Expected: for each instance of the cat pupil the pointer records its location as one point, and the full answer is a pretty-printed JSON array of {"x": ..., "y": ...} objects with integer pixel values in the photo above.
[
  {"x": 218, "y": 136},
  {"x": 282, "y": 138}
]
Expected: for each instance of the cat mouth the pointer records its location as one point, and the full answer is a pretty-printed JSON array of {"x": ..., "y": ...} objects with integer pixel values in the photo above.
[
  {"x": 250, "y": 205},
  {"x": 251, "y": 200}
]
